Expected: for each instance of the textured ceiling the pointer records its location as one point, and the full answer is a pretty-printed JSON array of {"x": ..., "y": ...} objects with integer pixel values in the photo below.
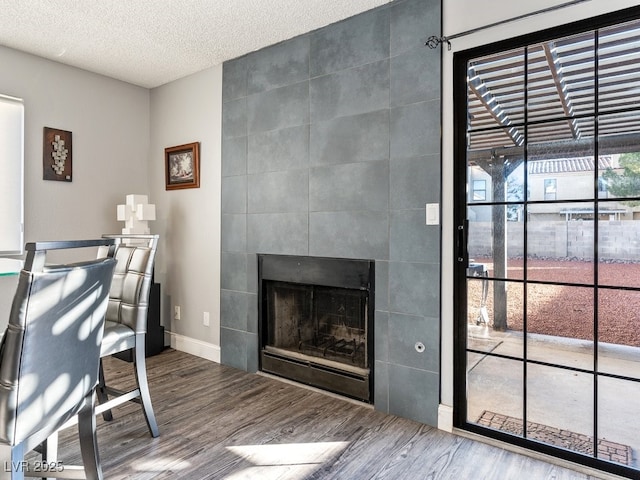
[{"x": 152, "y": 42}]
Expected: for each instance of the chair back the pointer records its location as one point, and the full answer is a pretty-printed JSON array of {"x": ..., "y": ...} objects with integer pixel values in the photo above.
[
  {"x": 131, "y": 285},
  {"x": 50, "y": 351}
]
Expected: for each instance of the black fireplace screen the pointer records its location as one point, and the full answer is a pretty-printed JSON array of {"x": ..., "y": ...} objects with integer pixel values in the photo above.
[{"x": 318, "y": 321}]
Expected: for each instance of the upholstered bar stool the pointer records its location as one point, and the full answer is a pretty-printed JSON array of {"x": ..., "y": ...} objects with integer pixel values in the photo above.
[
  {"x": 126, "y": 321},
  {"x": 50, "y": 355}
]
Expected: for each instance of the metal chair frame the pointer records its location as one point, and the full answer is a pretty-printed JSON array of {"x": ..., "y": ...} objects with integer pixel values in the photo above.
[
  {"x": 130, "y": 311},
  {"x": 69, "y": 300}
]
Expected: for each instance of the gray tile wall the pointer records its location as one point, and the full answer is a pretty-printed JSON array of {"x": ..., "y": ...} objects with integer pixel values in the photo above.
[{"x": 331, "y": 147}]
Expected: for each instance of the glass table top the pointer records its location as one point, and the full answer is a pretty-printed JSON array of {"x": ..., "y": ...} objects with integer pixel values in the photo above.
[{"x": 10, "y": 266}]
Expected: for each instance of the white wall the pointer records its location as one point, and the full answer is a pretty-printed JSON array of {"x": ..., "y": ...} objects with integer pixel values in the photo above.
[
  {"x": 460, "y": 16},
  {"x": 188, "y": 221},
  {"x": 109, "y": 121},
  {"x": 119, "y": 135}
]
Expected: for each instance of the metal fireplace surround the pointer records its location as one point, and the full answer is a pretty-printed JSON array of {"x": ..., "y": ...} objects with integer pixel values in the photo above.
[{"x": 316, "y": 322}]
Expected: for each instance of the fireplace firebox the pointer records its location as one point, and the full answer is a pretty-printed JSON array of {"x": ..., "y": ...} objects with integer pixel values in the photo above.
[{"x": 316, "y": 322}]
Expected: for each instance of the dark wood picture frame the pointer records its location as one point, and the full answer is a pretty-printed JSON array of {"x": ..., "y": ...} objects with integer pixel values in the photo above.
[
  {"x": 182, "y": 166},
  {"x": 57, "y": 155}
]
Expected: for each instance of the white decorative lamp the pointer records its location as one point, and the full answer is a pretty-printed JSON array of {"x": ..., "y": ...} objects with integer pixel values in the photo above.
[{"x": 136, "y": 214}]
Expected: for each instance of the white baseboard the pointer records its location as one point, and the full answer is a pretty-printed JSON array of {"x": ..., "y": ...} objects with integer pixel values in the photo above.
[
  {"x": 192, "y": 346},
  {"x": 445, "y": 418}
]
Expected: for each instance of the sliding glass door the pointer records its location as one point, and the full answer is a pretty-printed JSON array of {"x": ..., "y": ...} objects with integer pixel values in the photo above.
[{"x": 548, "y": 242}]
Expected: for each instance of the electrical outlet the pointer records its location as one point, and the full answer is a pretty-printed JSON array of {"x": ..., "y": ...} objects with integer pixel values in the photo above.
[
  {"x": 205, "y": 319},
  {"x": 176, "y": 312}
]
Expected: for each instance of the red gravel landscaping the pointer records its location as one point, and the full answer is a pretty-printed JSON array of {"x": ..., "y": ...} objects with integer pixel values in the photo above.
[{"x": 568, "y": 311}]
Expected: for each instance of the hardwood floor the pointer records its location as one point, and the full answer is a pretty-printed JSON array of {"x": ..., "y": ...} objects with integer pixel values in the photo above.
[{"x": 217, "y": 422}]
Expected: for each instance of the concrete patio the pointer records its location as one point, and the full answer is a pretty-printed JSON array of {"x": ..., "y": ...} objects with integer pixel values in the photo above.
[{"x": 557, "y": 398}]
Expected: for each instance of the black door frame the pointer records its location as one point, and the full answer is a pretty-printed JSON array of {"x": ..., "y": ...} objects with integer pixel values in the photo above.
[{"x": 460, "y": 257}]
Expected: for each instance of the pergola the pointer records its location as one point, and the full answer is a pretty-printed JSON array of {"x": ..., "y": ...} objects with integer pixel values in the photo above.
[{"x": 577, "y": 96}]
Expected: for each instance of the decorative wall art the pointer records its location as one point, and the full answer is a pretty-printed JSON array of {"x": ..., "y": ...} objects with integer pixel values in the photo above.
[
  {"x": 56, "y": 158},
  {"x": 136, "y": 213},
  {"x": 182, "y": 166}
]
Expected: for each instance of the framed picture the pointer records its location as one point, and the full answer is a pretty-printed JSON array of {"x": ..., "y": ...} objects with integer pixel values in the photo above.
[
  {"x": 57, "y": 155},
  {"x": 182, "y": 166}
]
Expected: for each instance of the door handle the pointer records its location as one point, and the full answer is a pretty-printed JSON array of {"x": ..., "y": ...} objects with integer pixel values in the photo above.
[{"x": 461, "y": 242}]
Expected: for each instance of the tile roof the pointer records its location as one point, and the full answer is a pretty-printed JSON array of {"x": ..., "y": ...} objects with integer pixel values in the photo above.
[{"x": 570, "y": 165}]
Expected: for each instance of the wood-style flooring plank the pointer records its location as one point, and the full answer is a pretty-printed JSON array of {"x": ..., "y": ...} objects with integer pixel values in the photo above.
[{"x": 217, "y": 422}]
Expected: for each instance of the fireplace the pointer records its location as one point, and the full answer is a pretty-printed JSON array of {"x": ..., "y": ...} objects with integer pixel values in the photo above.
[{"x": 316, "y": 322}]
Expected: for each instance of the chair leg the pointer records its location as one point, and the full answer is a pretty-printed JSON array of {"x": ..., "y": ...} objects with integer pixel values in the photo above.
[
  {"x": 88, "y": 440},
  {"x": 15, "y": 469},
  {"x": 50, "y": 450},
  {"x": 101, "y": 391},
  {"x": 141, "y": 378}
]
